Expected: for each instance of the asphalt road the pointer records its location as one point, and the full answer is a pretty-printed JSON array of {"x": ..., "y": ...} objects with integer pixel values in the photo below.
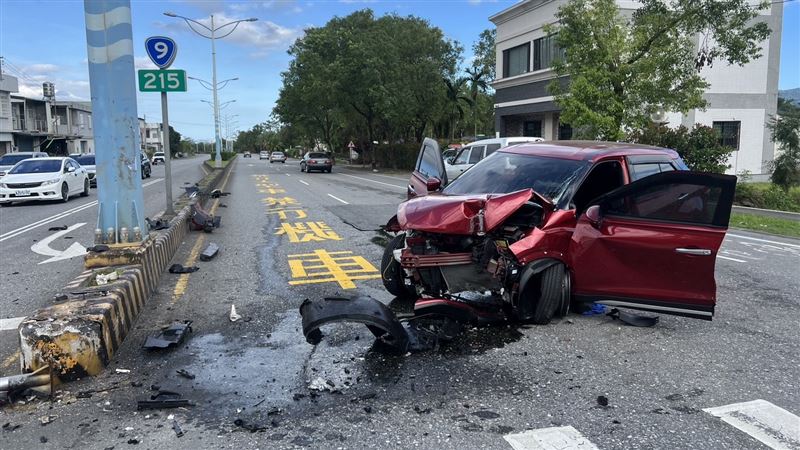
[
  {"x": 27, "y": 280},
  {"x": 490, "y": 387}
]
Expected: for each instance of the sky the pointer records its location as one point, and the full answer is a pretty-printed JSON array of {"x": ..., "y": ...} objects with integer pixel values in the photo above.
[{"x": 46, "y": 41}]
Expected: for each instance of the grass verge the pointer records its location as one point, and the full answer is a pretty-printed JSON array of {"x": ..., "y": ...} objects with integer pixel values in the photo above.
[{"x": 763, "y": 224}]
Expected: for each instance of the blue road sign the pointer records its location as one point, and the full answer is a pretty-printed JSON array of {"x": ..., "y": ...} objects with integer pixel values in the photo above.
[{"x": 161, "y": 50}]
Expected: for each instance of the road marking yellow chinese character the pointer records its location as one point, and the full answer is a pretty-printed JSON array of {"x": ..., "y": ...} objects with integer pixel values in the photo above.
[
  {"x": 323, "y": 266},
  {"x": 285, "y": 201},
  {"x": 282, "y": 213},
  {"x": 271, "y": 190},
  {"x": 307, "y": 232}
]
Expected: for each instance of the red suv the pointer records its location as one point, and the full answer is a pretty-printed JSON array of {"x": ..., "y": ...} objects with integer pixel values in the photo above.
[{"x": 536, "y": 227}]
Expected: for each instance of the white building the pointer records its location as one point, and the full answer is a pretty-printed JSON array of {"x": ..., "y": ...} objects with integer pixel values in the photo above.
[
  {"x": 740, "y": 99},
  {"x": 152, "y": 136},
  {"x": 8, "y": 84}
]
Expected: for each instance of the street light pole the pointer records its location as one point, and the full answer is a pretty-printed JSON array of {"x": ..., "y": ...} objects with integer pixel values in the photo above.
[{"x": 213, "y": 30}]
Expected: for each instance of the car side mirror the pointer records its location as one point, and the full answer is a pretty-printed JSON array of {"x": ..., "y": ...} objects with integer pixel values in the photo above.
[
  {"x": 70, "y": 169},
  {"x": 450, "y": 160},
  {"x": 594, "y": 217},
  {"x": 433, "y": 184}
]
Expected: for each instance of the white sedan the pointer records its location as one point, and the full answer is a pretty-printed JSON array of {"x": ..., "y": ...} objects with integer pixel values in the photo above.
[{"x": 44, "y": 179}]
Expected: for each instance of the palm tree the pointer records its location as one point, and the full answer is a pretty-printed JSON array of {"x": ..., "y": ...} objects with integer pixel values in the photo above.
[
  {"x": 455, "y": 101},
  {"x": 477, "y": 83}
]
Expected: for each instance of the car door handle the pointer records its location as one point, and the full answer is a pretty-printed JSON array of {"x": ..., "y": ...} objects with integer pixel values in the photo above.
[{"x": 694, "y": 251}]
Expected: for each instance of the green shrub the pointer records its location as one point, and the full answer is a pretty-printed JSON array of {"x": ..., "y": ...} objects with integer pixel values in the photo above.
[
  {"x": 767, "y": 196},
  {"x": 699, "y": 148}
]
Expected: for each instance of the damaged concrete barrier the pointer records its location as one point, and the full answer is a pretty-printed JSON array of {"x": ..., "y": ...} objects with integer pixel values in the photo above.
[{"x": 80, "y": 333}]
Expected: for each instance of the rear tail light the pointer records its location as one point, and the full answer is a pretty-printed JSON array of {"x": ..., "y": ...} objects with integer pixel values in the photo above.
[
  {"x": 312, "y": 162},
  {"x": 327, "y": 162}
]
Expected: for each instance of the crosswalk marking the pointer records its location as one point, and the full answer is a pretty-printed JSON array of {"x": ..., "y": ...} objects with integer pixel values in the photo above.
[
  {"x": 772, "y": 425},
  {"x": 561, "y": 438}
]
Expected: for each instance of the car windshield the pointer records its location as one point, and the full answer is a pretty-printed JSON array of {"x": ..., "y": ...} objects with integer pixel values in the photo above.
[
  {"x": 158, "y": 154},
  {"x": 317, "y": 155},
  {"x": 87, "y": 160},
  {"x": 501, "y": 173},
  {"x": 10, "y": 160},
  {"x": 37, "y": 166}
]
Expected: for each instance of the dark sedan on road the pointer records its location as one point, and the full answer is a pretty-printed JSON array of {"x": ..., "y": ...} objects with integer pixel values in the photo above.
[{"x": 316, "y": 161}]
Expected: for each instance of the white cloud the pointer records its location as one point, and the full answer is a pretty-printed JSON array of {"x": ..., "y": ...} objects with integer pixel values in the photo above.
[
  {"x": 271, "y": 5},
  {"x": 143, "y": 62},
  {"x": 260, "y": 36}
]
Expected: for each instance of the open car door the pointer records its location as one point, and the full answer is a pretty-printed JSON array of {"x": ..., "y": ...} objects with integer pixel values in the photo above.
[
  {"x": 652, "y": 244},
  {"x": 429, "y": 173}
]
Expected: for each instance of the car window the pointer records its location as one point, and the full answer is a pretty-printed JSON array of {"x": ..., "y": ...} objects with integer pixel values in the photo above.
[
  {"x": 463, "y": 157},
  {"x": 491, "y": 148},
  {"x": 317, "y": 155},
  {"x": 603, "y": 178},
  {"x": 10, "y": 160},
  {"x": 85, "y": 160},
  {"x": 639, "y": 171},
  {"x": 37, "y": 166},
  {"x": 674, "y": 202},
  {"x": 427, "y": 163},
  {"x": 502, "y": 172},
  {"x": 476, "y": 154}
]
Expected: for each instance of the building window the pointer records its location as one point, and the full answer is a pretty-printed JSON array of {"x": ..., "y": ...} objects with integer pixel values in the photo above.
[
  {"x": 564, "y": 132},
  {"x": 532, "y": 128},
  {"x": 517, "y": 60},
  {"x": 545, "y": 52},
  {"x": 728, "y": 133}
]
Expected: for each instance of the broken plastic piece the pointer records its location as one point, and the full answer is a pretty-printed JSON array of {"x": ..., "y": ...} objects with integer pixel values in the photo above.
[
  {"x": 40, "y": 382},
  {"x": 633, "y": 319},
  {"x": 185, "y": 374},
  {"x": 164, "y": 399},
  {"x": 61, "y": 228},
  {"x": 179, "y": 268},
  {"x": 177, "y": 428},
  {"x": 210, "y": 252},
  {"x": 99, "y": 248},
  {"x": 158, "y": 224},
  {"x": 170, "y": 336},
  {"x": 216, "y": 193},
  {"x": 234, "y": 316}
]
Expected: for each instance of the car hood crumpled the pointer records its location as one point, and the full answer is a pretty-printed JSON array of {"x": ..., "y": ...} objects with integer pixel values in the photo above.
[{"x": 458, "y": 214}]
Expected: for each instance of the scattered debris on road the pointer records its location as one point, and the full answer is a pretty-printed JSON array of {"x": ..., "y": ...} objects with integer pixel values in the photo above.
[
  {"x": 234, "y": 316},
  {"x": 170, "y": 336},
  {"x": 102, "y": 279},
  {"x": 123, "y": 370},
  {"x": 99, "y": 248},
  {"x": 40, "y": 382},
  {"x": 216, "y": 193},
  {"x": 602, "y": 400},
  {"x": 158, "y": 224},
  {"x": 632, "y": 319},
  {"x": 163, "y": 400},
  {"x": 185, "y": 374},
  {"x": 210, "y": 252},
  {"x": 60, "y": 228},
  {"x": 180, "y": 268},
  {"x": 251, "y": 427},
  {"x": 202, "y": 220},
  {"x": 176, "y": 426}
]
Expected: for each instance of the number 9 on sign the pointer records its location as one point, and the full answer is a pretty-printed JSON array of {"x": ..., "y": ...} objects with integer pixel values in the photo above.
[{"x": 161, "y": 50}]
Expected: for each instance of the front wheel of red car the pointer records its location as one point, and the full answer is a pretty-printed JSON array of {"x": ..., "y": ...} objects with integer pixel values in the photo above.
[
  {"x": 392, "y": 273},
  {"x": 546, "y": 295}
]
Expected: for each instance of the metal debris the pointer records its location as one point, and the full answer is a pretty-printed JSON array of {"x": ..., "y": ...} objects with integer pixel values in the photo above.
[
  {"x": 163, "y": 400},
  {"x": 170, "y": 336},
  {"x": 39, "y": 382},
  {"x": 185, "y": 374},
  {"x": 632, "y": 319},
  {"x": 210, "y": 252},
  {"x": 234, "y": 316}
]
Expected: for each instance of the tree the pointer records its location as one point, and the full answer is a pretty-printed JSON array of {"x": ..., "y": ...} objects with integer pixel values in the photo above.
[
  {"x": 621, "y": 70},
  {"x": 785, "y": 131},
  {"x": 699, "y": 148},
  {"x": 476, "y": 78},
  {"x": 457, "y": 100},
  {"x": 174, "y": 141},
  {"x": 483, "y": 51}
]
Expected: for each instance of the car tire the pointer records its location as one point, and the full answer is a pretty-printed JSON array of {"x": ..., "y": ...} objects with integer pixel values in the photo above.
[
  {"x": 64, "y": 192},
  {"x": 392, "y": 273},
  {"x": 302, "y": 168},
  {"x": 85, "y": 192},
  {"x": 330, "y": 170},
  {"x": 549, "y": 294},
  {"x": 149, "y": 173}
]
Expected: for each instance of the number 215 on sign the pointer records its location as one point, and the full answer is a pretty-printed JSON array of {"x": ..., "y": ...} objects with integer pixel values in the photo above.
[{"x": 162, "y": 80}]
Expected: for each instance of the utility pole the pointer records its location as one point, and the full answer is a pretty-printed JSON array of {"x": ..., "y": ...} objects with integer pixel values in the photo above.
[
  {"x": 109, "y": 39},
  {"x": 169, "y": 211}
]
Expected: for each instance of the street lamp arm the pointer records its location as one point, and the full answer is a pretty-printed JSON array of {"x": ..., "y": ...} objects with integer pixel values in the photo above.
[
  {"x": 188, "y": 22},
  {"x": 235, "y": 26},
  {"x": 203, "y": 83}
]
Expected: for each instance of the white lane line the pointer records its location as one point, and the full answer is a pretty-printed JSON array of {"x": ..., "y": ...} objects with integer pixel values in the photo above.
[
  {"x": 45, "y": 219},
  {"x": 561, "y": 438},
  {"x": 763, "y": 240},
  {"x": 21, "y": 230},
  {"x": 337, "y": 198},
  {"x": 390, "y": 177},
  {"x": 10, "y": 324},
  {"x": 373, "y": 181},
  {"x": 14, "y": 233},
  {"x": 731, "y": 259},
  {"x": 304, "y": 182},
  {"x": 772, "y": 425}
]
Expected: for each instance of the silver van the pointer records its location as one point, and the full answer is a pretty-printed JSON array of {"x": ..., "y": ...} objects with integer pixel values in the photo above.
[{"x": 476, "y": 151}]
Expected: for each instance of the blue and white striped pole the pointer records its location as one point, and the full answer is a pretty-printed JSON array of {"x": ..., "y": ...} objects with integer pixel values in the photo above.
[{"x": 109, "y": 39}]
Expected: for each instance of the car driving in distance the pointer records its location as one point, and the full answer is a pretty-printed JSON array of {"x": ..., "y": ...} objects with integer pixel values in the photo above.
[
  {"x": 263, "y": 155},
  {"x": 158, "y": 157},
  {"x": 316, "y": 161},
  {"x": 44, "y": 179},
  {"x": 147, "y": 169},
  {"x": 87, "y": 161},
  {"x": 277, "y": 157},
  {"x": 8, "y": 160},
  {"x": 247, "y": 155}
]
